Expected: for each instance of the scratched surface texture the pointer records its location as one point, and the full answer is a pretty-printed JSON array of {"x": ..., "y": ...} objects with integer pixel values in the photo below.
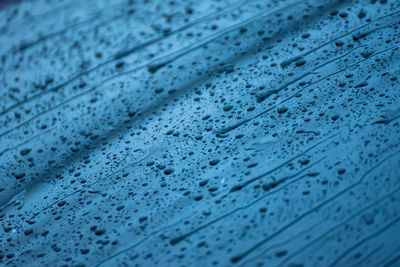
[{"x": 200, "y": 133}]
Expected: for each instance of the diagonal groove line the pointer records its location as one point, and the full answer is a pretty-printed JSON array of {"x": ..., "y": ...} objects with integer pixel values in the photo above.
[
  {"x": 25, "y": 142},
  {"x": 140, "y": 241},
  {"x": 65, "y": 7},
  {"x": 392, "y": 260},
  {"x": 391, "y": 257},
  {"x": 122, "y": 54},
  {"x": 91, "y": 184},
  {"x": 387, "y": 120},
  {"x": 185, "y": 50},
  {"x": 365, "y": 239},
  {"x": 294, "y": 59},
  {"x": 97, "y": 14},
  {"x": 11, "y": 28},
  {"x": 307, "y": 230},
  {"x": 369, "y": 255},
  {"x": 43, "y": 38},
  {"x": 180, "y": 238},
  {"x": 330, "y": 230},
  {"x": 246, "y": 183},
  {"x": 305, "y": 74},
  {"x": 93, "y": 16},
  {"x": 242, "y": 255},
  {"x": 129, "y": 51},
  {"x": 160, "y": 62},
  {"x": 226, "y": 130}
]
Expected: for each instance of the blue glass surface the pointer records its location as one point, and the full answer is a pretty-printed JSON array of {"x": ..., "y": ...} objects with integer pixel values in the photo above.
[{"x": 200, "y": 133}]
